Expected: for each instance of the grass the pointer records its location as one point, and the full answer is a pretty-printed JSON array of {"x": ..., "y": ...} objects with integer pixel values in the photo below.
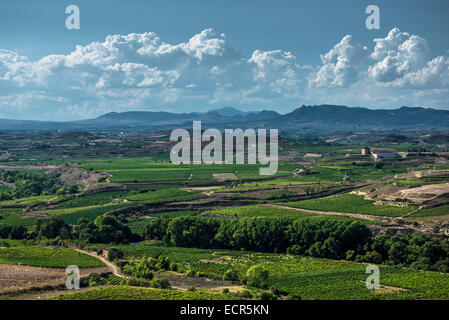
[
  {"x": 135, "y": 293},
  {"x": 14, "y": 217},
  {"x": 91, "y": 213},
  {"x": 143, "y": 169},
  {"x": 270, "y": 212},
  {"x": 46, "y": 257},
  {"x": 4, "y": 188},
  {"x": 436, "y": 211},
  {"x": 27, "y": 201},
  {"x": 173, "y": 214},
  {"x": 351, "y": 203},
  {"x": 95, "y": 199},
  {"x": 417, "y": 182},
  {"x": 326, "y": 174},
  {"x": 10, "y": 243},
  {"x": 169, "y": 194},
  {"x": 310, "y": 278}
]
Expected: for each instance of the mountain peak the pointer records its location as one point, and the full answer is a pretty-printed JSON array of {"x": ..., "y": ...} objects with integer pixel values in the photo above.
[{"x": 229, "y": 112}]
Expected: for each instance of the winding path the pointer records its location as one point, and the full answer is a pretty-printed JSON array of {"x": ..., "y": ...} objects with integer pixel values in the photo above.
[{"x": 114, "y": 269}]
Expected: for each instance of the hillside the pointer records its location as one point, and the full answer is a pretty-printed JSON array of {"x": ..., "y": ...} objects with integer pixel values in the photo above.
[{"x": 323, "y": 118}]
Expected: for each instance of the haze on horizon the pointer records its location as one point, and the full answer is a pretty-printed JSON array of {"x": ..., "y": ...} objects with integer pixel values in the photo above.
[{"x": 200, "y": 56}]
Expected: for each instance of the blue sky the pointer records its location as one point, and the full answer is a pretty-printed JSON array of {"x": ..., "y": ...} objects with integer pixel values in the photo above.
[{"x": 204, "y": 54}]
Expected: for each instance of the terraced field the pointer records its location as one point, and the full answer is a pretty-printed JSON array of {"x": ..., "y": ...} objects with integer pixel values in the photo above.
[
  {"x": 147, "y": 170},
  {"x": 46, "y": 257},
  {"x": 351, "y": 203},
  {"x": 436, "y": 211},
  {"x": 134, "y": 293},
  {"x": 271, "y": 212},
  {"x": 310, "y": 278},
  {"x": 325, "y": 174}
]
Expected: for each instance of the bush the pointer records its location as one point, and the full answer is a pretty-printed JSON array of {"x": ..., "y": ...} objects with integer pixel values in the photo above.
[
  {"x": 373, "y": 256},
  {"x": 138, "y": 282},
  {"x": 244, "y": 294},
  {"x": 378, "y": 165},
  {"x": 173, "y": 267},
  {"x": 93, "y": 279},
  {"x": 267, "y": 295},
  {"x": 161, "y": 283},
  {"x": 138, "y": 269},
  {"x": 441, "y": 266},
  {"x": 257, "y": 276},
  {"x": 231, "y": 275},
  {"x": 4, "y": 244},
  {"x": 292, "y": 296},
  {"x": 275, "y": 291},
  {"x": 350, "y": 255},
  {"x": 162, "y": 263},
  {"x": 190, "y": 273}
]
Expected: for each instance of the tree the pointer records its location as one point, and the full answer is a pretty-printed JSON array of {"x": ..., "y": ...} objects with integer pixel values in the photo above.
[
  {"x": 18, "y": 233},
  {"x": 398, "y": 252},
  {"x": 257, "y": 276},
  {"x": 378, "y": 165}
]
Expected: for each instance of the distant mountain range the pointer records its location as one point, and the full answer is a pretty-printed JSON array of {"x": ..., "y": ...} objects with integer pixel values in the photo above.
[{"x": 322, "y": 118}]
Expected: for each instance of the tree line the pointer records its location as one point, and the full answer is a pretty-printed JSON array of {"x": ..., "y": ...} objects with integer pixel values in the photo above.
[
  {"x": 33, "y": 184},
  {"x": 324, "y": 239},
  {"x": 104, "y": 229}
]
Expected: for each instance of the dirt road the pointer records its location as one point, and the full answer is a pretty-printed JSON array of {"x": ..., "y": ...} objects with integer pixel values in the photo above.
[
  {"x": 112, "y": 267},
  {"x": 334, "y": 213}
]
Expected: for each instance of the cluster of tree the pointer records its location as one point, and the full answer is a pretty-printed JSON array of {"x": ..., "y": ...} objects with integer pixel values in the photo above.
[
  {"x": 105, "y": 229},
  {"x": 33, "y": 184},
  {"x": 145, "y": 267},
  {"x": 415, "y": 250},
  {"x": 324, "y": 239},
  {"x": 330, "y": 239},
  {"x": 13, "y": 232}
]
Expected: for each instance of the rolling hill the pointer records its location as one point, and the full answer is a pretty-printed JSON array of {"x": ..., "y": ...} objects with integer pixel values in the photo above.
[{"x": 327, "y": 118}]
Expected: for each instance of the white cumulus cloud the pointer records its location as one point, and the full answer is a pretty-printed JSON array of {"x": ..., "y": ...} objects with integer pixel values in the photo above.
[
  {"x": 341, "y": 65},
  {"x": 141, "y": 71}
]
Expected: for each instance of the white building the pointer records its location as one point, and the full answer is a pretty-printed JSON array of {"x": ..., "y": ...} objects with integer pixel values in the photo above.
[{"x": 388, "y": 155}]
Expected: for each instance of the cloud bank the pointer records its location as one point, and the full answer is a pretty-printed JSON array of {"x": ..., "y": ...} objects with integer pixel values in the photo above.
[{"x": 141, "y": 71}]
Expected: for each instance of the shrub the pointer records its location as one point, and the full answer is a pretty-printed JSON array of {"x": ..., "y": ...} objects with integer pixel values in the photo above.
[
  {"x": 231, "y": 275},
  {"x": 244, "y": 294},
  {"x": 350, "y": 255},
  {"x": 267, "y": 295},
  {"x": 275, "y": 291},
  {"x": 373, "y": 256},
  {"x": 257, "y": 276},
  {"x": 378, "y": 165},
  {"x": 161, "y": 283},
  {"x": 93, "y": 279},
  {"x": 138, "y": 282},
  {"x": 190, "y": 273}
]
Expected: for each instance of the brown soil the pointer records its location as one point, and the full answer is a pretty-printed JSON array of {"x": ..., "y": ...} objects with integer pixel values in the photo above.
[
  {"x": 387, "y": 289},
  {"x": 203, "y": 189},
  {"x": 181, "y": 282},
  {"x": 7, "y": 184},
  {"x": 333, "y": 213},
  {"x": 16, "y": 277},
  {"x": 31, "y": 167},
  {"x": 224, "y": 176},
  {"x": 425, "y": 193},
  {"x": 73, "y": 175}
]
